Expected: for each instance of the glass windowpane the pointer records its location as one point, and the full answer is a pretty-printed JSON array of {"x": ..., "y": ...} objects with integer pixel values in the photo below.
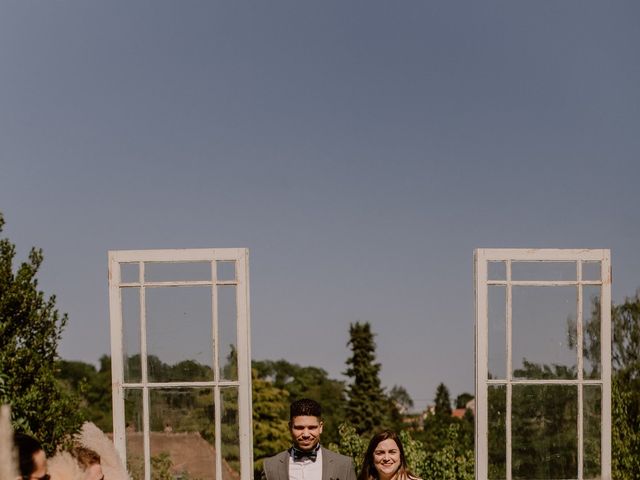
[
  {"x": 543, "y": 270},
  {"x": 541, "y": 319},
  {"x": 543, "y": 431},
  {"x": 230, "y": 427},
  {"x": 182, "y": 424},
  {"x": 591, "y": 271},
  {"x": 497, "y": 337},
  {"x": 174, "y": 272},
  {"x": 227, "y": 331},
  {"x": 130, "y": 301},
  {"x": 134, "y": 433},
  {"x": 592, "y": 418},
  {"x": 179, "y": 334},
  {"x": 497, "y": 439},
  {"x": 226, "y": 270},
  {"x": 496, "y": 270},
  {"x": 591, "y": 331},
  {"x": 129, "y": 273}
]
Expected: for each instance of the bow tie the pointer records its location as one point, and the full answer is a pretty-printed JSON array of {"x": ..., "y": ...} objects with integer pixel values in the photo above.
[{"x": 299, "y": 455}]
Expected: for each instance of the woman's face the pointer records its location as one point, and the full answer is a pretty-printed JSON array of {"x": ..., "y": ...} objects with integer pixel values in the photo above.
[
  {"x": 94, "y": 472},
  {"x": 386, "y": 458}
]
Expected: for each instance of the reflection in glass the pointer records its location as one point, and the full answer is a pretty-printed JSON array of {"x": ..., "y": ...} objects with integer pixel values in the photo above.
[
  {"x": 496, "y": 270},
  {"x": 226, "y": 270},
  {"x": 230, "y": 427},
  {"x": 592, "y": 417},
  {"x": 173, "y": 272},
  {"x": 497, "y": 333},
  {"x": 130, "y": 301},
  {"x": 179, "y": 336},
  {"x": 129, "y": 273},
  {"x": 591, "y": 331},
  {"x": 542, "y": 349},
  {"x": 227, "y": 331},
  {"x": 591, "y": 271},
  {"x": 543, "y": 270},
  {"x": 497, "y": 424},
  {"x": 134, "y": 432},
  {"x": 544, "y": 432},
  {"x": 181, "y": 422}
]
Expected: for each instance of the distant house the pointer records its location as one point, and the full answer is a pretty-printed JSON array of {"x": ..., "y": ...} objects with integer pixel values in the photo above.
[
  {"x": 457, "y": 412},
  {"x": 460, "y": 412}
]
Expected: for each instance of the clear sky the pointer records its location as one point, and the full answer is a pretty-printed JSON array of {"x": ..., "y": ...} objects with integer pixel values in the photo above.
[{"x": 360, "y": 150}]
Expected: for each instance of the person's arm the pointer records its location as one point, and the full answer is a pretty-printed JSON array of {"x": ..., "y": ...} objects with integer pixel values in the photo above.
[{"x": 351, "y": 471}]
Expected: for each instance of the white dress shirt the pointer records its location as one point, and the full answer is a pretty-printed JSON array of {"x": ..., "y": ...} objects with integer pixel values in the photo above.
[{"x": 305, "y": 469}]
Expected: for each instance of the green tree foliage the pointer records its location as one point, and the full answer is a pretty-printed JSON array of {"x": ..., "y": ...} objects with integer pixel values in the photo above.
[
  {"x": 92, "y": 387},
  {"x": 307, "y": 382},
  {"x": 449, "y": 462},
  {"x": 401, "y": 398},
  {"x": 463, "y": 399},
  {"x": 625, "y": 357},
  {"x": 436, "y": 433},
  {"x": 270, "y": 426},
  {"x": 626, "y": 388},
  {"x": 368, "y": 407},
  {"x": 30, "y": 329},
  {"x": 443, "y": 401}
]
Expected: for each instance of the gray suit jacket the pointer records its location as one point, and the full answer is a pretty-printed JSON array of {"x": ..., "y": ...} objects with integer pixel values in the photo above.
[{"x": 334, "y": 466}]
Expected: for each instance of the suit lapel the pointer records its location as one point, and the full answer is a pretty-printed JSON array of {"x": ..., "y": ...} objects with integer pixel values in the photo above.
[
  {"x": 283, "y": 466},
  {"x": 327, "y": 467}
]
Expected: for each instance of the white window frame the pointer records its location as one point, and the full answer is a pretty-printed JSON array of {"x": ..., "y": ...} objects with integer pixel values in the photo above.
[
  {"x": 481, "y": 258},
  {"x": 241, "y": 258}
]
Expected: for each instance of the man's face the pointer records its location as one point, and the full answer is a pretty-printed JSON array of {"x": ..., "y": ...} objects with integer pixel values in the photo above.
[
  {"x": 305, "y": 431},
  {"x": 39, "y": 465}
]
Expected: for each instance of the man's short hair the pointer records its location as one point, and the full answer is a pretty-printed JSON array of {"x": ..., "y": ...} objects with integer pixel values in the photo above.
[
  {"x": 85, "y": 456},
  {"x": 27, "y": 446},
  {"x": 305, "y": 407}
]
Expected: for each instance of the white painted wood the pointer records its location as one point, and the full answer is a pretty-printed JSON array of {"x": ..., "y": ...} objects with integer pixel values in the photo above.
[
  {"x": 580, "y": 364},
  {"x": 244, "y": 365},
  {"x": 540, "y": 254},
  {"x": 509, "y": 387},
  {"x": 542, "y": 283},
  {"x": 243, "y": 383},
  {"x": 179, "y": 283},
  {"x": 605, "y": 336},
  {"x": 482, "y": 358},
  {"x": 482, "y": 256},
  {"x": 117, "y": 371}
]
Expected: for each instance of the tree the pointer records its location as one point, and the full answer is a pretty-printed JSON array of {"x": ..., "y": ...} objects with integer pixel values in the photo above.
[
  {"x": 625, "y": 360},
  {"x": 307, "y": 382},
  {"x": 368, "y": 407},
  {"x": 463, "y": 399},
  {"x": 443, "y": 401},
  {"x": 270, "y": 425},
  {"x": 401, "y": 398},
  {"x": 438, "y": 427},
  {"x": 30, "y": 329},
  {"x": 92, "y": 388}
]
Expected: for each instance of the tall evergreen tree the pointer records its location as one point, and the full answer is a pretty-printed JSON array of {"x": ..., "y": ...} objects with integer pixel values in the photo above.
[
  {"x": 30, "y": 329},
  {"x": 443, "y": 401},
  {"x": 368, "y": 406}
]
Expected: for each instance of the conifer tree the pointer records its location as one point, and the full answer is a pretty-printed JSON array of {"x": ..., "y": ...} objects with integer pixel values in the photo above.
[
  {"x": 443, "y": 401},
  {"x": 368, "y": 406},
  {"x": 30, "y": 329}
]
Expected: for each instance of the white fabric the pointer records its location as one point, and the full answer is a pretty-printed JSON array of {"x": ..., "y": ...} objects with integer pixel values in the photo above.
[{"x": 306, "y": 469}]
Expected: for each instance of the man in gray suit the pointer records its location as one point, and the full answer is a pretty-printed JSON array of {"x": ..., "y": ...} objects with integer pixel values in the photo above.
[{"x": 306, "y": 459}]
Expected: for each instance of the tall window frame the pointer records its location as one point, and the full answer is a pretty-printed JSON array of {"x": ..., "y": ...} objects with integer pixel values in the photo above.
[
  {"x": 239, "y": 282},
  {"x": 581, "y": 257}
]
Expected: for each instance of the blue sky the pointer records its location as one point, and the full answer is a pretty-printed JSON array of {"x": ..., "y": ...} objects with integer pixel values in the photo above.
[{"x": 360, "y": 150}]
